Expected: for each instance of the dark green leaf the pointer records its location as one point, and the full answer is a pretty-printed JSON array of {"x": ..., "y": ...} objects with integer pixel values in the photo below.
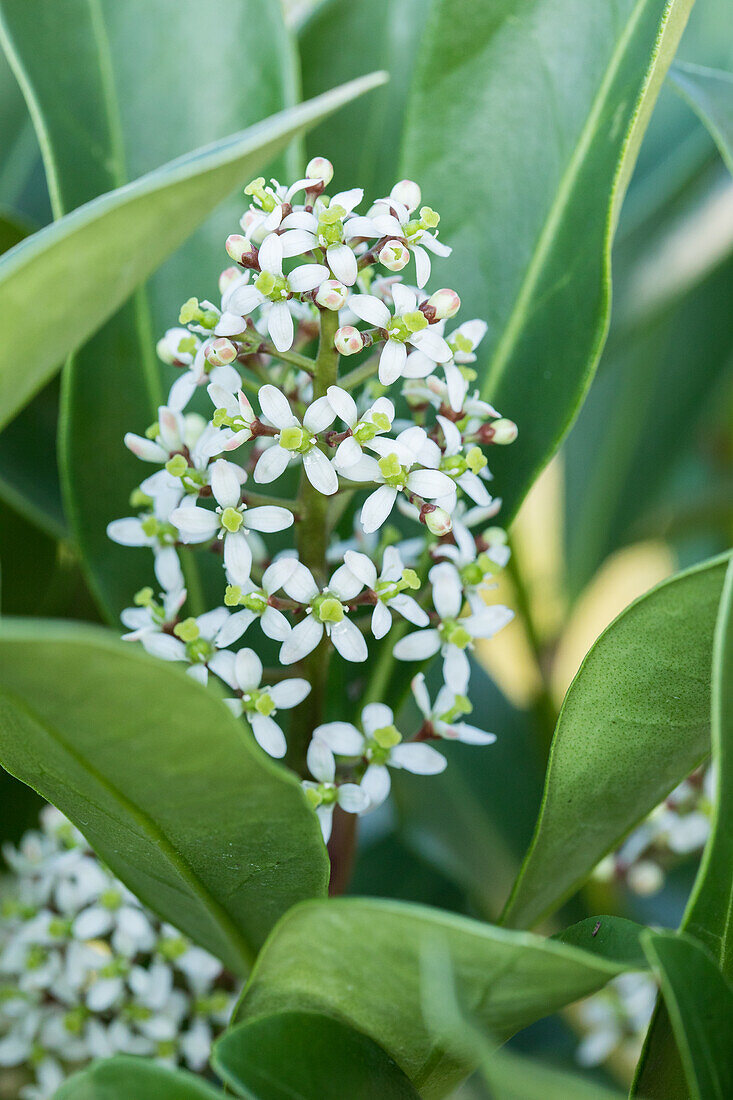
[
  {"x": 125, "y": 1078},
  {"x": 162, "y": 781},
  {"x": 634, "y": 723},
  {"x": 700, "y": 1004},
  {"x": 370, "y": 963},
  {"x": 710, "y": 93},
  {"x": 301, "y": 1056},
  {"x": 529, "y": 174}
]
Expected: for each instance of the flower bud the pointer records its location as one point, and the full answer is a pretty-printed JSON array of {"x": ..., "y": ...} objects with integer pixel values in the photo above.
[
  {"x": 220, "y": 352},
  {"x": 407, "y": 192},
  {"x": 228, "y": 277},
  {"x": 238, "y": 247},
  {"x": 445, "y": 302},
  {"x": 319, "y": 169},
  {"x": 438, "y": 521},
  {"x": 332, "y": 295},
  {"x": 394, "y": 255},
  {"x": 503, "y": 431},
  {"x": 348, "y": 340}
]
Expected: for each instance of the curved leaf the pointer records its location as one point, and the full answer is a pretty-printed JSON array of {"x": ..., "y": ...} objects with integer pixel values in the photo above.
[
  {"x": 634, "y": 723},
  {"x": 161, "y": 780},
  {"x": 126, "y": 1078},
  {"x": 352, "y": 957},
  {"x": 710, "y": 93},
  {"x": 534, "y": 169},
  {"x": 301, "y": 1055}
]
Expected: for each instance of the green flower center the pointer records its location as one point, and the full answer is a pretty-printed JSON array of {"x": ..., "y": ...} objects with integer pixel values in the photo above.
[
  {"x": 392, "y": 471},
  {"x": 295, "y": 439},
  {"x": 260, "y": 702},
  {"x": 232, "y": 519},
  {"x": 328, "y": 609},
  {"x": 274, "y": 287},
  {"x": 331, "y": 226},
  {"x": 403, "y": 326},
  {"x": 455, "y": 634}
]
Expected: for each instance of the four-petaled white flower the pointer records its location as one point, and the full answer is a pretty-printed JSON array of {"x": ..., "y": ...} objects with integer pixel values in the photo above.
[
  {"x": 326, "y": 612},
  {"x": 454, "y": 635},
  {"x": 271, "y": 285},
  {"x": 325, "y": 794},
  {"x": 326, "y": 227},
  {"x": 389, "y": 588},
  {"x": 445, "y": 716},
  {"x": 255, "y": 601},
  {"x": 362, "y": 428},
  {"x": 391, "y": 218},
  {"x": 465, "y": 466},
  {"x": 243, "y": 672},
  {"x": 408, "y": 325},
  {"x": 200, "y": 642},
  {"x": 230, "y": 520},
  {"x": 296, "y": 441}
]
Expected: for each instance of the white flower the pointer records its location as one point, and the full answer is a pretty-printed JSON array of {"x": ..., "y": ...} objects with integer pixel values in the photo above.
[
  {"x": 198, "y": 641},
  {"x": 116, "y": 914},
  {"x": 150, "y": 617},
  {"x": 327, "y": 612},
  {"x": 445, "y": 716},
  {"x": 388, "y": 588},
  {"x": 230, "y": 520},
  {"x": 408, "y": 326},
  {"x": 243, "y": 672},
  {"x": 172, "y": 434},
  {"x": 362, "y": 429},
  {"x": 453, "y": 636},
  {"x": 201, "y": 373},
  {"x": 234, "y": 412},
  {"x": 394, "y": 473},
  {"x": 271, "y": 285},
  {"x": 325, "y": 794},
  {"x": 327, "y": 228},
  {"x": 381, "y": 746},
  {"x": 178, "y": 347},
  {"x": 295, "y": 440},
  {"x": 391, "y": 218},
  {"x": 256, "y": 602},
  {"x": 464, "y": 469}
]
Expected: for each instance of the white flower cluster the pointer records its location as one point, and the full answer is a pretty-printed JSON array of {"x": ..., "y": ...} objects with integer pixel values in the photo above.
[
  {"x": 86, "y": 972},
  {"x": 678, "y": 828},
  {"x": 615, "y": 1020},
  {"x": 308, "y": 270}
]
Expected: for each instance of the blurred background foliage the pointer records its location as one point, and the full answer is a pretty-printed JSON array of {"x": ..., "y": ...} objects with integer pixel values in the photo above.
[{"x": 642, "y": 486}]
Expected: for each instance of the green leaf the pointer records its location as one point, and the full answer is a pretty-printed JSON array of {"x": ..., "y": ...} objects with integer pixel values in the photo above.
[
  {"x": 352, "y": 957},
  {"x": 634, "y": 723},
  {"x": 301, "y": 1055},
  {"x": 363, "y": 141},
  {"x": 699, "y": 1001},
  {"x": 162, "y": 781},
  {"x": 710, "y": 94},
  {"x": 511, "y": 1078},
  {"x": 139, "y": 225},
  {"x": 533, "y": 171},
  {"x": 126, "y": 1078}
]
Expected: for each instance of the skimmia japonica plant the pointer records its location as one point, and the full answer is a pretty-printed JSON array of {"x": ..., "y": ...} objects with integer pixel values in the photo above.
[{"x": 401, "y": 435}]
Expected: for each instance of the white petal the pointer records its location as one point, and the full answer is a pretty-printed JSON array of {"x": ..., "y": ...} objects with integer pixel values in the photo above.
[
  {"x": 417, "y": 365},
  {"x": 325, "y": 819},
  {"x": 164, "y": 646},
  {"x": 391, "y": 362},
  {"x": 376, "y": 784},
  {"x": 342, "y": 262},
  {"x": 297, "y": 242},
  {"x": 319, "y": 415},
  {"x": 307, "y": 277},
  {"x": 341, "y": 738},
  {"x": 364, "y": 227},
  {"x": 430, "y": 483},
  {"x": 469, "y": 735},
  {"x": 405, "y": 300},
  {"x": 370, "y": 309},
  {"x": 456, "y": 669},
  {"x": 222, "y": 664},
  {"x": 347, "y": 454},
  {"x": 225, "y": 483},
  {"x": 280, "y": 326},
  {"x": 474, "y": 487},
  {"x": 146, "y": 449},
  {"x": 422, "y": 264},
  {"x": 235, "y": 627},
  {"x": 420, "y": 691},
  {"x": 348, "y": 199},
  {"x": 453, "y": 439},
  {"x": 168, "y": 569},
  {"x": 222, "y": 399},
  {"x": 300, "y": 585},
  {"x": 289, "y": 693},
  {"x": 381, "y": 620},
  {"x": 275, "y": 407},
  {"x": 270, "y": 254},
  {"x": 349, "y": 641},
  {"x": 362, "y": 567},
  {"x": 377, "y": 507},
  {"x": 375, "y": 716},
  {"x": 457, "y": 386},
  {"x": 276, "y": 574},
  {"x": 127, "y": 532},
  {"x": 343, "y": 405},
  {"x": 248, "y": 669},
  {"x": 366, "y": 469},
  {"x": 274, "y": 624},
  {"x": 231, "y": 324},
  {"x": 320, "y": 472},
  {"x": 447, "y": 590},
  {"x": 302, "y": 640},
  {"x": 237, "y": 557},
  {"x": 268, "y": 735},
  {"x": 195, "y": 524},
  {"x": 409, "y": 609},
  {"x": 268, "y": 518},
  {"x": 320, "y": 761},
  {"x": 300, "y": 219},
  {"x": 244, "y": 299},
  {"x": 352, "y": 798},
  {"x": 418, "y": 646},
  {"x": 489, "y": 622},
  {"x": 419, "y": 758},
  {"x": 433, "y": 345},
  {"x": 344, "y": 584},
  {"x": 271, "y": 463},
  {"x": 435, "y": 246},
  {"x": 211, "y": 622}
]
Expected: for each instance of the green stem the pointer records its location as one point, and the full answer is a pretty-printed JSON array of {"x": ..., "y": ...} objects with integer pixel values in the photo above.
[
  {"x": 258, "y": 500},
  {"x": 359, "y": 374},
  {"x": 302, "y": 362}
]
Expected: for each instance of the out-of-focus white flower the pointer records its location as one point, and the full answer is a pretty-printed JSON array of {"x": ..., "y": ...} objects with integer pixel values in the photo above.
[
  {"x": 325, "y": 794},
  {"x": 445, "y": 716}
]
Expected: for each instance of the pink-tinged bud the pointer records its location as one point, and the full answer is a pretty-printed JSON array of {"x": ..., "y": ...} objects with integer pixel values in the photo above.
[
  {"x": 348, "y": 340},
  {"x": 249, "y": 221},
  {"x": 220, "y": 352},
  {"x": 238, "y": 247},
  {"x": 445, "y": 303},
  {"x": 228, "y": 277},
  {"x": 394, "y": 255},
  {"x": 332, "y": 294},
  {"x": 503, "y": 431},
  {"x": 319, "y": 169},
  {"x": 437, "y": 521},
  {"x": 407, "y": 192}
]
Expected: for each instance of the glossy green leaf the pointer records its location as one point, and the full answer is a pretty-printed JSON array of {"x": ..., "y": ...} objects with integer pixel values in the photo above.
[
  {"x": 162, "y": 781},
  {"x": 529, "y": 186},
  {"x": 352, "y": 957},
  {"x": 363, "y": 141},
  {"x": 634, "y": 723},
  {"x": 302, "y": 1055},
  {"x": 508, "y": 1077},
  {"x": 126, "y": 1078},
  {"x": 699, "y": 1001},
  {"x": 710, "y": 93},
  {"x": 139, "y": 225}
]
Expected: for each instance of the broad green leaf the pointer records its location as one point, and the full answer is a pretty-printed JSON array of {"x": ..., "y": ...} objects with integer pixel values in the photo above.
[
  {"x": 634, "y": 723},
  {"x": 302, "y": 1055},
  {"x": 699, "y": 1001},
  {"x": 710, "y": 93},
  {"x": 352, "y": 957},
  {"x": 139, "y": 225},
  {"x": 162, "y": 781},
  {"x": 339, "y": 40},
  {"x": 511, "y": 1078},
  {"x": 126, "y": 1078},
  {"x": 529, "y": 185}
]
